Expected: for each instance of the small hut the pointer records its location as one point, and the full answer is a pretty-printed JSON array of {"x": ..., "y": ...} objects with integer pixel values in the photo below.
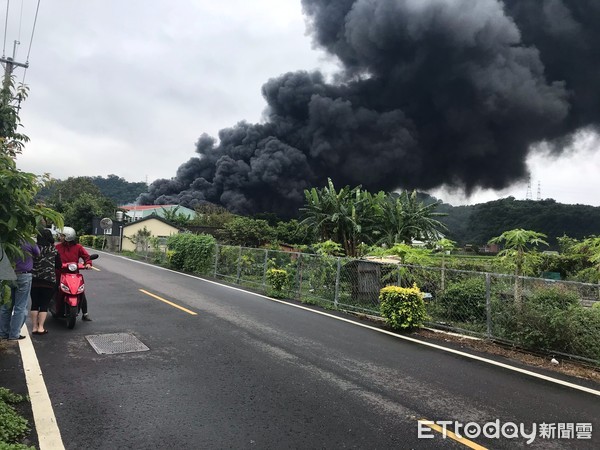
[{"x": 366, "y": 277}]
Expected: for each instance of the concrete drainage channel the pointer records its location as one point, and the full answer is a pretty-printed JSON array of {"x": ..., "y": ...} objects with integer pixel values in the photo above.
[{"x": 113, "y": 343}]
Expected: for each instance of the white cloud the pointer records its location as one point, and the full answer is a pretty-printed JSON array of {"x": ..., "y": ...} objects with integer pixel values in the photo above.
[
  {"x": 126, "y": 88},
  {"x": 571, "y": 178}
]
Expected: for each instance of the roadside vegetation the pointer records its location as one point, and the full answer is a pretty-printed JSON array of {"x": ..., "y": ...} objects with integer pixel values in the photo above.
[
  {"x": 20, "y": 217},
  {"x": 13, "y": 427}
]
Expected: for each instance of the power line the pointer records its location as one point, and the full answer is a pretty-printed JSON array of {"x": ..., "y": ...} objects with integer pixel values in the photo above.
[
  {"x": 5, "y": 28},
  {"x": 10, "y": 63},
  {"x": 37, "y": 9},
  {"x": 20, "y": 22}
]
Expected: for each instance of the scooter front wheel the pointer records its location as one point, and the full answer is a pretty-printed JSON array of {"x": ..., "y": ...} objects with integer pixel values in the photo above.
[
  {"x": 72, "y": 317},
  {"x": 51, "y": 308}
]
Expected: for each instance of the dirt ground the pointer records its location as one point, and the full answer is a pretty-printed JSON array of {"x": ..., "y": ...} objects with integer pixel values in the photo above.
[{"x": 564, "y": 366}]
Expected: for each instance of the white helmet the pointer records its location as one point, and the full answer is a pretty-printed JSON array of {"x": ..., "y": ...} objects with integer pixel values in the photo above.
[{"x": 69, "y": 234}]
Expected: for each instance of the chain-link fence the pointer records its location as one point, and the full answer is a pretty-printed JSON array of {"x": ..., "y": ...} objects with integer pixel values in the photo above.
[{"x": 535, "y": 313}]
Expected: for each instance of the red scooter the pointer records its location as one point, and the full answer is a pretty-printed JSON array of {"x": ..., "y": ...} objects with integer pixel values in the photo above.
[{"x": 67, "y": 301}]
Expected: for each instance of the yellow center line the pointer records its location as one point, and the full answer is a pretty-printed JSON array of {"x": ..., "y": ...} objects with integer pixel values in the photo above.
[
  {"x": 96, "y": 269},
  {"x": 451, "y": 435},
  {"x": 169, "y": 303}
]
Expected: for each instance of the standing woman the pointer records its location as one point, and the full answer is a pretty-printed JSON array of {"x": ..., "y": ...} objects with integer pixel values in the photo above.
[{"x": 44, "y": 280}]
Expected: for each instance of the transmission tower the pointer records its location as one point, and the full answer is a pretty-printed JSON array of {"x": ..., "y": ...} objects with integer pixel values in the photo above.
[
  {"x": 528, "y": 195},
  {"x": 539, "y": 191}
]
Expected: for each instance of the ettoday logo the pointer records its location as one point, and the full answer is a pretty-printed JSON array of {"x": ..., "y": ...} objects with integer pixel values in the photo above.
[{"x": 508, "y": 430}]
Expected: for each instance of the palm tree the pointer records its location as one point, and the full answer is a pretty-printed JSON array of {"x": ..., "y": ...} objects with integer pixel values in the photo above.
[
  {"x": 517, "y": 243},
  {"x": 404, "y": 218},
  {"x": 339, "y": 216},
  {"x": 319, "y": 209}
]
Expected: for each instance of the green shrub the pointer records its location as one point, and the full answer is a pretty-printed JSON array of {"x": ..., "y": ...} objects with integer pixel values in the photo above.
[
  {"x": 321, "y": 273},
  {"x": 98, "y": 242},
  {"x": 278, "y": 281},
  {"x": 158, "y": 255},
  {"x": 588, "y": 275},
  {"x": 13, "y": 427},
  {"x": 464, "y": 300},
  {"x": 543, "y": 321},
  {"x": 228, "y": 260},
  {"x": 402, "y": 308},
  {"x": 170, "y": 255},
  {"x": 191, "y": 252},
  {"x": 584, "y": 327},
  {"x": 87, "y": 240},
  {"x": 554, "y": 297}
]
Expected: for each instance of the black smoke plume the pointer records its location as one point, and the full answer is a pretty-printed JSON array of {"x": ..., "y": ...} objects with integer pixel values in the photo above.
[{"x": 438, "y": 92}]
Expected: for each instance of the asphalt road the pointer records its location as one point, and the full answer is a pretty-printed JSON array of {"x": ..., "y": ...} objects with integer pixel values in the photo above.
[{"x": 250, "y": 372}]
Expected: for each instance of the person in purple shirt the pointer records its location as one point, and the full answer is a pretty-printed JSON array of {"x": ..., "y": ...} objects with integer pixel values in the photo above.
[{"x": 14, "y": 314}]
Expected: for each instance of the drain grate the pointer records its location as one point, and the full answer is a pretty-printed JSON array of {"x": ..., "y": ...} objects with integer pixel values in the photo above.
[{"x": 110, "y": 344}]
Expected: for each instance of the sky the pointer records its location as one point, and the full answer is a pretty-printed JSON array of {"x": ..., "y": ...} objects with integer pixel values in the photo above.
[{"x": 127, "y": 88}]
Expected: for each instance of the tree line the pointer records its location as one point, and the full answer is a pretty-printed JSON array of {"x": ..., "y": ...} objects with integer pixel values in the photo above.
[
  {"x": 349, "y": 216},
  {"x": 477, "y": 224}
]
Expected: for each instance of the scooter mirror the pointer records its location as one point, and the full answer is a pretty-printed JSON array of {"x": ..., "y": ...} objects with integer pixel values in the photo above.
[{"x": 94, "y": 256}]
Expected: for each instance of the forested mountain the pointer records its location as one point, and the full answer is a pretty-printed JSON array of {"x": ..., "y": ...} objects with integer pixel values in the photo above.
[
  {"x": 118, "y": 189},
  {"x": 473, "y": 224},
  {"x": 476, "y": 224},
  {"x": 115, "y": 188}
]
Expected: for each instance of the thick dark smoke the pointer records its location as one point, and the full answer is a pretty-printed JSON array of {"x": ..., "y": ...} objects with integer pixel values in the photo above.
[{"x": 433, "y": 92}]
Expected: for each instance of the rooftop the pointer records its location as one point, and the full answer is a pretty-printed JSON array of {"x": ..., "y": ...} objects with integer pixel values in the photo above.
[{"x": 144, "y": 207}]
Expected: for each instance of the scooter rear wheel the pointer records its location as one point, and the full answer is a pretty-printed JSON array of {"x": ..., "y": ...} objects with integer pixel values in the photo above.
[{"x": 72, "y": 317}]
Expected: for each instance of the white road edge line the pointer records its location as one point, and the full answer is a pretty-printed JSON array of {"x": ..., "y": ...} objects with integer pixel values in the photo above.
[
  {"x": 399, "y": 336},
  {"x": 43, "y": 415}
]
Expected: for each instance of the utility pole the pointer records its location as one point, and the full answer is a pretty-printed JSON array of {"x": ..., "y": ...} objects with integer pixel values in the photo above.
[{"x": 9, "y": 65}]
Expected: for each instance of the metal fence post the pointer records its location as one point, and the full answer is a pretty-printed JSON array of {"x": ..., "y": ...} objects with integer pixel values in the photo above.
[
  {"x": 443, "y": 273},
  {"x": 239, "y": 268},
  {"x": 299, "y": 278},
  {"x": 266, "y": 263},
  {"x": 336, "y": 296},
  {"x": 216, "y": 258},
  {"x": 488, "y": 304}
]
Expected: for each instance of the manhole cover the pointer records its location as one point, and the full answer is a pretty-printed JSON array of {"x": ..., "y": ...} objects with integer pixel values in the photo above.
[{"x": 116, "y": 343}]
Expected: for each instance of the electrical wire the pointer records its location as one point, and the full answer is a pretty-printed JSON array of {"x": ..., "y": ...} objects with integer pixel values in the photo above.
[
  {"x": 37, "y": 9},
  {"x": 33, "y": 30},
  {"x": 5, "y": 28},
  {"x": 20, "y": 26}
]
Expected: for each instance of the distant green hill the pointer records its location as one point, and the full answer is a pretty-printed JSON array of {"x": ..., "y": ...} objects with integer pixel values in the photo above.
[
  {"x": 477, "y": 224},
  {"x": 117, "y": 189}
]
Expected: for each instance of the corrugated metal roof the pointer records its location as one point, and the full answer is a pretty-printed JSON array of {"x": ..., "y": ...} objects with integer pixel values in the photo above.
[
  {"x": 382, "y": 260},
  {"x": 144, "y": 207}
]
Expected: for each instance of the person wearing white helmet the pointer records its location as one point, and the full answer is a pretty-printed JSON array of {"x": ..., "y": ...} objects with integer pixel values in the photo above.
[{"x": 71, "y": 251}]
